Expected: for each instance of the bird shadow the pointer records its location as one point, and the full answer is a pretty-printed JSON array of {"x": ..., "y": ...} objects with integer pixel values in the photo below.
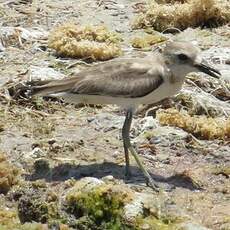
[{"x": 66, "y": 171}]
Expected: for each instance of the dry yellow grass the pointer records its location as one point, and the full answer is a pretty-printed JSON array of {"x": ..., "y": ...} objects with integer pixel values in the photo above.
[
  {"x": 8, "y": 175},
  {"x": 181, "y": 15},
  {"x": 96, "y": 43},
  {"x": 147, "y": 40},
  {"x": 200, "y": 126}
]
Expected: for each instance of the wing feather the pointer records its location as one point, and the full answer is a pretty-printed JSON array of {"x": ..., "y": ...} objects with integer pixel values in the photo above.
[
  {"x": 128, "y": 78},
  {"x": 123, "y": 80}
]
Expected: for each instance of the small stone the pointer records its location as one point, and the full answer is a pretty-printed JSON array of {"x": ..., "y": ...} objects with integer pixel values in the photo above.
[
  {"x": 55, "y": 146},
  {"x": 145, "y": 227},
  {"x": 51, "y": 141},
  {"x": 90, "y": 119},
  {"x": 116, "y": 154},
  {"x": 162, "y": 157},
  {"x": 135, "y": 208},
  {"x": 148, "y": 123},
  {"x": 155, "y": 140},
  {"x": 191, "y": 226},
  {"x": 35, "y": 145},
  {"x": 107, "y": 129},
  {"x": 86, "y": 184},
  {"x": 108, "y": 178},
  {"x": 35, "y": 153},
  {"x": 81, "y": 142},
  {"x": 44, "y": 73}
]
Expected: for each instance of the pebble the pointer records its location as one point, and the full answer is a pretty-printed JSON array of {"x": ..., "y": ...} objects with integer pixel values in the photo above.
[
  {"x": 192, "y": 226},
  {"x": 108, "y": 178},
  {"x": 35, "y": 153},
  {"x": 155, "y": 140}
]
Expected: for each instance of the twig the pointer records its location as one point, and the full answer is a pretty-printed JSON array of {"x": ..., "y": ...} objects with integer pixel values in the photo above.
[{"x": 78, "y": 62}]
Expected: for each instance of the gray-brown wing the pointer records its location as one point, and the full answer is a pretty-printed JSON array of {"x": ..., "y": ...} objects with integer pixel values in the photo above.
[{"x": 120, "y": 80}]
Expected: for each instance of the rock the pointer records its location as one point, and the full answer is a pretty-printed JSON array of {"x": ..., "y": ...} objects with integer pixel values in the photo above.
[
  {"x": 191, "y": 226},
  {"x": 2, "y": 48},
  {"x": 218, "y": 57},
  {"x": 145, "y": 227},
  {"x": 17, "y": 35},
  {"x": 160, "y": 131},
  {"x": 51, "y": 141},
  {"x": 35, "y": 153},
  {"x": 86, "y": 184},
  {"x": 155, "y": 140},
  {"x": 147, "y": 123},
  {"x": 33, "y": 33},
  {"x": 38, "y": 73},
  {"x": 134, "y": 208},
  {"x": 162, "y": 157},
  {"x": 167, "y": 130},
  {"x": 107, "y": 121},
  {"x": 108, "y": 178}
]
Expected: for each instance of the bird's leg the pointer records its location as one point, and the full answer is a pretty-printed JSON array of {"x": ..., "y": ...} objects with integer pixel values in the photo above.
[
  {"x": 128, "y": 146},
  {"x": 125, "y": 130}
]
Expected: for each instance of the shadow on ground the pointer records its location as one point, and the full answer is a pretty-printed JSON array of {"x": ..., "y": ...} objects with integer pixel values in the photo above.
[{"x": 66, "y": 171}]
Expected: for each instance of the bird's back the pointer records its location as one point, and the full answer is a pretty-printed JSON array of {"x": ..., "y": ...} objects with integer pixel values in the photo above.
[{"x": 125, "y": 77}]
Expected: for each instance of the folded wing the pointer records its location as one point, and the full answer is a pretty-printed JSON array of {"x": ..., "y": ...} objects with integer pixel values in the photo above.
[{"x": 125, "y": 78}]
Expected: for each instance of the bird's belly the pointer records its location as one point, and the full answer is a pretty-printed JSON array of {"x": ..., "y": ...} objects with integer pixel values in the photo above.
[
  {"x": 98, "y": 99},
  {"x": 164, "y": 91}
]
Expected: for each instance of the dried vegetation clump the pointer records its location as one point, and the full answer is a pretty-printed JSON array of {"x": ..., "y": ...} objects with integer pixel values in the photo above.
[
  {"x": 36, "y": 205},
  {"x": 10, "y": 221},
  {"x": 99, "y": 208},
  {"x": 162, "y": 15},
  {"x": 222, "y": 170},
  {"x": 96, "y": 43},
  {"x": 147, "y": 41},
  {"x": 8, "y": 175},
  {"x": 200, "y": 126}
]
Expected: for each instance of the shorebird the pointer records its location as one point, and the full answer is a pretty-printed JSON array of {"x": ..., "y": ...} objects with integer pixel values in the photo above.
[{"x": 129, "y": 82}]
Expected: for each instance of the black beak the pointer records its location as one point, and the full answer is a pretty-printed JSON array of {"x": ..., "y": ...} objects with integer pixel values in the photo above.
[{"x": 206, "y": 68}]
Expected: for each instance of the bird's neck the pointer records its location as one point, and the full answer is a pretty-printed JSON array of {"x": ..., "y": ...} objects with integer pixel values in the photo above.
[{"x": 178, "y": 71}]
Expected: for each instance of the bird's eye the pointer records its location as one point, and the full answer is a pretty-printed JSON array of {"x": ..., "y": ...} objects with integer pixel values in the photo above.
[{"x": 182, "y": 57}]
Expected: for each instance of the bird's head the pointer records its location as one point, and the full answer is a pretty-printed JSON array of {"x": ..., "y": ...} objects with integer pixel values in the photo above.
[{"x": 184, "y": 57}]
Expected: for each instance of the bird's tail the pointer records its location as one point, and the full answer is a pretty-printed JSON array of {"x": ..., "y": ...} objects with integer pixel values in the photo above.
[
  {"x": 45, "y": 88},
  {"x": 42, "y": 88},
  {"x": 36, "y": 87}
]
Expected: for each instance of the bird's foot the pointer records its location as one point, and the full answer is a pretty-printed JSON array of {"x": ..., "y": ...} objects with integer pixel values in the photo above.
[
  {"x": 156, "y": 187},
  {"x": 128, "y": 173},
  {"x": 150, "y": 182}
]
